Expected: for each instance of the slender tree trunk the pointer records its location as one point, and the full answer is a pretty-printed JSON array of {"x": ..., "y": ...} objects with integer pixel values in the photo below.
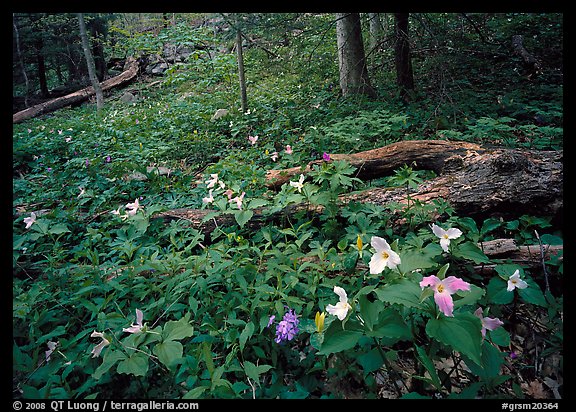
[
  {"x": 21, "y": 60},
  {"x": 242, "y": 79},
  {"x": 41, "y": 65},
  {"x": 375, "y": 30},
  {"x": 351, "y": 57},
  {"x": 90, "y": 63},
  {"x": 404, "y": 76}
]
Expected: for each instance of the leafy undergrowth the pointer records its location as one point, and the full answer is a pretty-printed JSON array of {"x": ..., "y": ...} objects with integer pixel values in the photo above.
[{"x": 351, "y": 302}]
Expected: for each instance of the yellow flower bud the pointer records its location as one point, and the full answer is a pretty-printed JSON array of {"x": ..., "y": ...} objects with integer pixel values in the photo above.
[{"x": 319, "y": 320}]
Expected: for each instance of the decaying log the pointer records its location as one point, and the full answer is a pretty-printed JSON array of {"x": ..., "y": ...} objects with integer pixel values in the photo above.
[
  {"x": 492, "y": 183},
  {"x": 528, "y": 256},
  {"x": 478, "y": 182},
  {"x": 433, "y": 155},
  {"x": 130, "y": 71}
]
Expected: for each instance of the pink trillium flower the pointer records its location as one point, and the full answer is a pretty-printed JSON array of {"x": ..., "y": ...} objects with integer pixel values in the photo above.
[
  {"x": 133, "y": 207},
  {"x": 238, "y": 200},
  {"x": 30, "y": 220},
  {"x": 514, "y": 282},
  {"x": 98, "y": 348},
  {"x": 446, "y": 235},
  {"x": 274, "y": 156},
  {"x": 487, "y": 323},
  {"x": 384, "y": 256},
  {"x": 341, "y": 309},
  {"x": 212, "y": 182},
  {"x": 288, "y": 149},
  {"x": 135, "y": 328},
  {"x": 443, "y": 289},
  {"x": 253, "y": 139}
]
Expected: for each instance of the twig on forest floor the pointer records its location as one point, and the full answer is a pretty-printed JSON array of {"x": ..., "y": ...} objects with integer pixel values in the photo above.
[{"x": 542, "y": 261}]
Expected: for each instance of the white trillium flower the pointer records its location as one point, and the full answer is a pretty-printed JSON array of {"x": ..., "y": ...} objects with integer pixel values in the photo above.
[
  {"x": 135, "y": 328},
  {"x": 340, "y": 310},
  {"x": 445, "y": 235},
  {"x": 30, "y": 220},
  {"x": 133, "y": 207},
  {"x": 98, "y": 348},
  {"x": 383, "y": 257},
  {"x": 514, "y": 282},
  {"x": 299, "y": 184},
  {"x": 210, "y": 198}
]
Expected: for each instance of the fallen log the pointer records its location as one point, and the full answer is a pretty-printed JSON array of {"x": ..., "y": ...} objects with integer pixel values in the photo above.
[
  {"x": 433, "y": 155},
  {"x": 478, "y": 182},
  {"x": 130, "y": 71}
]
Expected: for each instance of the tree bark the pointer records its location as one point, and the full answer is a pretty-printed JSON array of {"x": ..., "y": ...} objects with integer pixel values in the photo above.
[
  {"x": 531, "y": 63},
  {"x": 90, "y": 63},
  {"x": 478, "y": 182},
  {"x": 404, "y": 75},
  {"x": 241, "y": 77},
  {"x": 375, "y": 163},
  {"x": 131, "y": 70},
  {"x": 21, "y": 60},
  {"x": 351, "y": 57}
]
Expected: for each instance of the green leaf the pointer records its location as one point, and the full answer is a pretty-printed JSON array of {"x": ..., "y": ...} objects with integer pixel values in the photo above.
[
  {"x": 246, "y": 334},
  {"x": 109, "y": 360},
  {"x": 532, "y": 294},
  {"x": 196, "y": 392},
  {"x": 461, "y": 332},
  {"x": 405, "y": 292},
  {"x": 59, "y": 229},
  {"x": 413, "y": 259},
  {"x": 551, "y": 240},
  {"x": 442, "y": 272},
  {"x": 369, "y": 310},
  {"x": 489, "y": 225},
  {"x": 427, "y": 362},
  {"x": 176, "y": 330},
  {"x": 339, "y": 341},
  {"x": 370, "y": 361},
  {"x": 491, "y": 361},
  {"x": 496, "y": 292},
  {"x": 243, "y": 216},
  {"x": 469, "y": 297},
  {"x": 136, "y": 364},
  {"x": 470, "y": 251},
  {"x": 254, "y": 372},
  {"x": 499, "y": 336},
  {"x": 169, "y": 353},
  {"x": 390, "y": 325}
]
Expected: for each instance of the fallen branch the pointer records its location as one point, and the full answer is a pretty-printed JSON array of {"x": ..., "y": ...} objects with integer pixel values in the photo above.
[{"x": 131, "y": 69}]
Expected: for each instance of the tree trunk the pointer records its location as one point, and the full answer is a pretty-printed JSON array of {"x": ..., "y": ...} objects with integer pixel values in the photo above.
[
  {"x": 478, "y": 182},
  {"x": 21, "y": 60},
  {"x": 351, "y": 57},
  {"x": 41, "y": 65},
  {"x": 375, "y": 30},
  {"x": 90, "y": 63},
  {"x": 530, "y": 62},
  {"x": 131, "y": 69},
  {"x": 241, "y": 78},
  {"x": 404, "y": 76}
]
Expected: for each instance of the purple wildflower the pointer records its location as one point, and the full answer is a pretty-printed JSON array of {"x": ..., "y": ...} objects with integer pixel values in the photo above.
[
  {"x": 288, "y": 327},
  {"x": 108, "y": 159},
  {"x": 271, "y": 320},
  {"x": 326, "y": 157},
  {"x": 87, "y": 163}
]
